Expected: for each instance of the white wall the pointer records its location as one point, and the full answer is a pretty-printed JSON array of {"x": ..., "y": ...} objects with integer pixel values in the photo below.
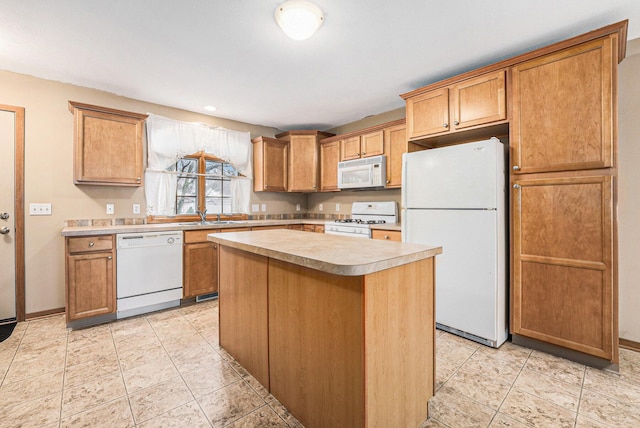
[{"x": 629, "y": 192}]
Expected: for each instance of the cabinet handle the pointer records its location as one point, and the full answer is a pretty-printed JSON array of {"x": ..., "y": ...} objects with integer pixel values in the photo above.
[
  {"x": 386, "y": 236},
  {"x": 456, "y": 123},
  {"x": 110, "y": 258},
  {"x": 516, "y": 168},
  {"x": 516, "y": 186},
  {"x": 445, "y": 125},
  {"x": 91, "y": 244},
  {"x": 388, "y": 181},
  {"x": 138, "y": 179}
]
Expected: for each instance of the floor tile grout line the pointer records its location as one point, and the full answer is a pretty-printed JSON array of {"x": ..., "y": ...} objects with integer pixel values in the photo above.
[{"x": 515, "y": 379}]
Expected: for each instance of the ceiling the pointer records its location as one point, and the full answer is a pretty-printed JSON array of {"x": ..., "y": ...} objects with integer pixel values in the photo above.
[{"x": 231, "y": 54}]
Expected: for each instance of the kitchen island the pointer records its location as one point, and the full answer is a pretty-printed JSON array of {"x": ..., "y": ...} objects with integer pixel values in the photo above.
[{"x": 340, "y": 330}]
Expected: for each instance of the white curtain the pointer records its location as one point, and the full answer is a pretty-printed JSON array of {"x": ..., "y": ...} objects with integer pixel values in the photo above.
[{"x": 169, "y": 140}]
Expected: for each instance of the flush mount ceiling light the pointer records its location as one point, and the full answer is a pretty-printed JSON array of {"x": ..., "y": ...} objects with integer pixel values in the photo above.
[
  {"x": 209, "y": 108},
  {"x": 299, "y": 19}
]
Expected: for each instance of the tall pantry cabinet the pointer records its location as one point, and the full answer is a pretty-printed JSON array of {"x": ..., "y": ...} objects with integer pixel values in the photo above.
[{"x": 563, "y": 178}]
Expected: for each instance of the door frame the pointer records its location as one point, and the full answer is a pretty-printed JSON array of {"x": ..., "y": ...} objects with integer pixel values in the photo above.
[{"x": 19, "y": 207}]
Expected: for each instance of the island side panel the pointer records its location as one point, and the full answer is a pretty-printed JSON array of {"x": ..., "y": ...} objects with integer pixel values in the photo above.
[
  {"x": 243, "y": 310},
  {"x": 316, "y": 345},
  {"x": 399, "y": 314}
]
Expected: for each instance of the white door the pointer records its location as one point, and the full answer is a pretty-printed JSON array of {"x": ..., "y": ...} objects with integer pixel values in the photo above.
[
  {"x": 470, "y": 272},
  {"x": 7, "y": 217},
  {"x": 463, "y": 176}
]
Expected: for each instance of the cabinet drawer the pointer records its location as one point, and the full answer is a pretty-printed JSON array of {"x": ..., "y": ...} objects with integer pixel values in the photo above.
[
  {"x": 191, "y": 236},
  {"x": 389, "y": 235},
  {"x": 89, "y": 244}
]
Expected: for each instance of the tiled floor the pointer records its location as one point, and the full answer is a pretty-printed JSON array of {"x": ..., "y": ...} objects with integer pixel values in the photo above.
[{"x": 166, "y": 370}]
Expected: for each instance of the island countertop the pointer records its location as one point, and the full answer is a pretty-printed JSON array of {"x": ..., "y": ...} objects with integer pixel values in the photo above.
[{"x": 328, "y": 253}]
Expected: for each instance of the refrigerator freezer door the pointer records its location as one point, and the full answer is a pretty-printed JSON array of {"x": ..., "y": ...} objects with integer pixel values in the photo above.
[
  {"x": 462, "y": 176},
  {"x": 470, "y": 278}
]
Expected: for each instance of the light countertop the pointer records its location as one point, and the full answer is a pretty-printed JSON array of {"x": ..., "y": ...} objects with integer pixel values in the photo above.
[{"x": 337, "y": 255}]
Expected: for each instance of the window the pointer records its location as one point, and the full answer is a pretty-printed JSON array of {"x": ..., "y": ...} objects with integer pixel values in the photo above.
[{"x": 203, "y": 181}]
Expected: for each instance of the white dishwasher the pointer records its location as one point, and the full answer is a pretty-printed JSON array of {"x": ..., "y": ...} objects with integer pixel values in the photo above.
[{"x": 148, "y": 272}]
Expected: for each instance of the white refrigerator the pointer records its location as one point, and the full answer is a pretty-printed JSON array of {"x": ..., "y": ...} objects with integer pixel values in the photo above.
[{"x": 454, "y": 197}]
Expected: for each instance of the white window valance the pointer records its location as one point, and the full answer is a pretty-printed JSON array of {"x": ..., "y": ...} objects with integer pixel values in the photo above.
[{"x": 169, "y": 140}]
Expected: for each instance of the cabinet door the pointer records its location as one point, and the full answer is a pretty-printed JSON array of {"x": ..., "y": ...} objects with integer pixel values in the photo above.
[
  {"x": 90, "y": 285},
  {"x": 480, "y": 100},
  {"x": 350, "y": 148},
  {"x": 428, "y": 113},
  {"x": 563, "y": 109},
  {"x": 395, "y": 144},
  {"x": 303, "y": 163},
  {"x": 108, "y": 148},
  {"x": 329, "y": 158},
  {"x": 563, "y": 289},
  {"x": 200, "y": 269},
  {"x": 372, "y": 144},
  {"x": 275, "y": 166}
]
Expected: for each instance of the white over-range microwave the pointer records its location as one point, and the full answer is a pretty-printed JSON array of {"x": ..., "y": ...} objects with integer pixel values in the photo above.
[{"x": 366, "y": 173}]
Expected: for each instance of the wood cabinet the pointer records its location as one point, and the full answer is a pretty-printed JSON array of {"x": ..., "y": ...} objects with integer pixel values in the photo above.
[
  {"x": 329, "y": 158},
  {"x": 270, "y": 164},
  {"x": 362, "y": 146},
  {"x": 317, "y": 228},
  {"x": 472, "y": 102},
  {"x": 563, "y": 109},
  {"x": 395, "y": 145},
  {"x": 200, "y": 263},
  {"x": 107, "y": 145},
  {"x": 389, "y": 235},
  {"x": 90, "y": 276},
  {"x": 563, "y": 280},
  {"x": 303, "y": 159}
]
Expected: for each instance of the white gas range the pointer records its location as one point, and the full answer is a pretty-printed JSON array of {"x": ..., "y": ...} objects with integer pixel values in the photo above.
[{"x": 363, "y": 215}]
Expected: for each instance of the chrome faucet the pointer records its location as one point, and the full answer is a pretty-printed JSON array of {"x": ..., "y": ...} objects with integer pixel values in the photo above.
[{"x": 203, "y": 215}]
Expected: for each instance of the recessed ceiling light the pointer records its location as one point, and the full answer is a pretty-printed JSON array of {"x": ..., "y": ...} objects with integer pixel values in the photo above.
[{"x": 209, "y": 108}]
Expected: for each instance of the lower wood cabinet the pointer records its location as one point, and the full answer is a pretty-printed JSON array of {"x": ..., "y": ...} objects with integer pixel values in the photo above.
[
  {"x": 390, "y": 235},
  {"x": 90, "y": 276},
  {"x": 563, "y": 289},
  {"x": 318, "y": 228},
  {"x": 200, "y": 269}
]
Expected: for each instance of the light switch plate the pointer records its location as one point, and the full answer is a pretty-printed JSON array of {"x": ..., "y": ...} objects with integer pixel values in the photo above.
[
  {"x": 40, "y": 209},
  {"x": 136, "y": 208},
  {"x": 337, "y": 207},
  {"x": 111, "y": 209},
  {"x": 255, "y": 208},
  {"x": 320, "y": 207},
  {"x": 263, "y": 207},
  {"x": 297, "y": 207}
]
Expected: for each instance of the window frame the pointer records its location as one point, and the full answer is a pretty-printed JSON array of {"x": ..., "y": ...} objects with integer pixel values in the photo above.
[{"x": 202, "y": 157}]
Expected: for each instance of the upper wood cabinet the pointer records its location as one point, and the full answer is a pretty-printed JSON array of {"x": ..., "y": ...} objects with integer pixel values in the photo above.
[
  {"x": 362, "y": 146},
  {"x": 395, "y": 145},
  {"x": 563, "y": 109},
  {"x": 107, "y": 145},
  {"x": 270, "y": 164},
  {"x": 469, "y": 103},
  {"x": 303, "y": 162},
  {"x": 329, "y": 158}
]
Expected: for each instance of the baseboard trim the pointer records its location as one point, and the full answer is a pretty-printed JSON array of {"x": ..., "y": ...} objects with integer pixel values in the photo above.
[
  {"x": 44, "y": 314},
  {"x": 562, "y": 352},
  {"x": 629, "y": 344}
]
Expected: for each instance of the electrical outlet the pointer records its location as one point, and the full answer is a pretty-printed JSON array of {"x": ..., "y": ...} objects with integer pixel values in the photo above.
[
  {"x": 111, "y": 209},
  {"x": 136, "y": 208},
  {"x": 320, "y": 207},
  {"x": 40, "y": 209},
  {"x": 297, "y": 207},
  {"x": 337, "y": 207},
  {"x": 263, "y": 207},
  {"x": 255, "y": 208}
]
